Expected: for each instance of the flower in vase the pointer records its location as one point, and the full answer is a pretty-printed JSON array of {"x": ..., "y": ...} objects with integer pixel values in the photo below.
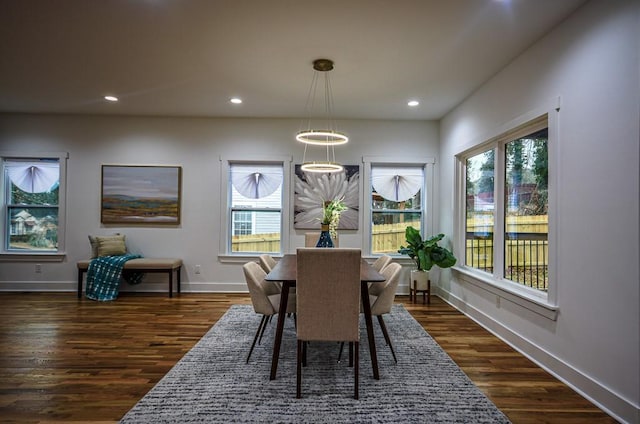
[{"x": 331, "y": 210}]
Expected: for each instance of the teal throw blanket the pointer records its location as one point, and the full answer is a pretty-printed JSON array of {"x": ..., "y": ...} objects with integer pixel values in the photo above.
[{"x": 103, "y": 277}]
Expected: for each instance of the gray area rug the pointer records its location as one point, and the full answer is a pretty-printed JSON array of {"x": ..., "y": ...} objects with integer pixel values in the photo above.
[{"x": 213, "y": 384}]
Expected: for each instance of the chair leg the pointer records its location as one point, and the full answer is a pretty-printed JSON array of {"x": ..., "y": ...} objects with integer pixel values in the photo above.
[
  {"x": 356, "y": 370},
  {"x": 263, "y": 323},
  {"x": 386, "y": 336},
  {"x": 299, "y": 369},
  {"x": 340, "y": 353},
  {"x": 350, "y": 354},
  {"x": 304, "y": 353},
  {"x": 264, "y": 327}
]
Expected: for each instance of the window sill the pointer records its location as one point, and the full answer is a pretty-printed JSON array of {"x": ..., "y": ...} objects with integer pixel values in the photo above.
[
  {"x": 32, "y": 257},
  {"x": 527, "y": 298}
]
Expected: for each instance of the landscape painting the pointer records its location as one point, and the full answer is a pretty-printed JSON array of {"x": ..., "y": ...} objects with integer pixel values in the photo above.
[{"x": 133, "y": 194}]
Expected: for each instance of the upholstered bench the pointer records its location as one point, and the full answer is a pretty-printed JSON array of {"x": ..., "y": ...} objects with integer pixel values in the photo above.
[{"x": 167, "y": 266}]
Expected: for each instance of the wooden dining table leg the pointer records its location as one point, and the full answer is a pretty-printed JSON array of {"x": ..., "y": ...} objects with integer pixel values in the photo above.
[
  {"x": 364, "y": 294},
  {"x": 282, "y": 312}
]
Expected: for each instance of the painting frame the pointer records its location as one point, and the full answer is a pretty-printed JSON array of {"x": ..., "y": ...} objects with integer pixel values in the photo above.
[{"x": 141, "y": 194}]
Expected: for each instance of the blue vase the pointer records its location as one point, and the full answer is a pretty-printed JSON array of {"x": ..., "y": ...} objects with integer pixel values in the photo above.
[{"x": 325, "y": 238}]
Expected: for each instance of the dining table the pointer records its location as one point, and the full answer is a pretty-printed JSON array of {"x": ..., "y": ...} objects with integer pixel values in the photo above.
[{"x": 286, "y": 271}]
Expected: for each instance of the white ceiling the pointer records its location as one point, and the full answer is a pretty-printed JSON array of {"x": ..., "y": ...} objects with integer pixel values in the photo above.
[{"x": 188, "y": 57}]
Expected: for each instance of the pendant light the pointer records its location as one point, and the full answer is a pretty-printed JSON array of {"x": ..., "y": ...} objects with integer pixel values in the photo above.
[{"x": 328, "y": 136}]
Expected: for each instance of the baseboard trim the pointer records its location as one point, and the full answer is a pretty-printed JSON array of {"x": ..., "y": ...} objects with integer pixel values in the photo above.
[
  {"x": 619, "y": 408},
  {"x": 146, "y": 287}
]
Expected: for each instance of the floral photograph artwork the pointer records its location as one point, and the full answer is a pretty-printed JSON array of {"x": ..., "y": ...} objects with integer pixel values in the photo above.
[{"x": 312, "y": 190}]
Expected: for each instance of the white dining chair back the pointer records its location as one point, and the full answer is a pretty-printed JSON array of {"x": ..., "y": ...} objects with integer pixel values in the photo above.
[
  {"x": 381, "y": 262},
  {"x": 267, "y": 262},
  {"x": 328, "y": 302}
]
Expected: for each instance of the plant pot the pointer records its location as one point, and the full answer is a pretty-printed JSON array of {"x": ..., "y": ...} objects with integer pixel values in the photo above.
[{"x": 419, "y": 279}]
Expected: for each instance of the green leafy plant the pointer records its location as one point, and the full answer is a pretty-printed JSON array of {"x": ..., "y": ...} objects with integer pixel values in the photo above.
[
  {"x": 426, "y": 253},
  {"x": 331, "y": 210}
]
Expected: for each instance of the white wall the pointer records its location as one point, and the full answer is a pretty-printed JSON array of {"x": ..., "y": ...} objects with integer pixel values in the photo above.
[
  {"x": 196, "y": 145},
  {"x": 592, "y": 62}
]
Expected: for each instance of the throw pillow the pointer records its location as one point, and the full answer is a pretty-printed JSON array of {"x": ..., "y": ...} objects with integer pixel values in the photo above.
[
  {"x": 111, "y": 245},
  {"x": 93, "y": 241}
]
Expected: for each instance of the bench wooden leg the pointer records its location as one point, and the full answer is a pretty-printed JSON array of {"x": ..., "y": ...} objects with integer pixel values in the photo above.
[
  {"x": 178, "y": 278},
  {"x": 80, "y": 274}
]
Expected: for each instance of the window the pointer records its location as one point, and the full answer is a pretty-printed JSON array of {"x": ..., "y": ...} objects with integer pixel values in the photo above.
[
  {"x": 526, "y": 197},
  {"x": 255, "y": 207},
  {"x": 398, "y": 199},
  {"x": 507, "y": 205},
  {"x": 33, "y": 204},
  {"x": 479, "y": 210}
]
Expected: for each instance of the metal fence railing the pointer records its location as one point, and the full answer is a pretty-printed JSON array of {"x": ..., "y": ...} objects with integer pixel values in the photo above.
[{"x": 526, "y": 257}]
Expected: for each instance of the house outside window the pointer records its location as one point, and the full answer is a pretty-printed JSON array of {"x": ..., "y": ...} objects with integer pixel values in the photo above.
[
  {"x": 506, "y": 206},
  {"x": 255, "y": 207},
  {"x": 242, "y": 223},
  {"x": 33, "y": 204}
]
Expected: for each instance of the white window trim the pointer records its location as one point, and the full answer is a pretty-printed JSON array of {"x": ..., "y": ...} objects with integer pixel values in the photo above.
[
  {"x": 428, "y": 219},
  {"x": 225, "y": 255},
  {"x": 58, "y": 256},
  {"x": 545, "y": 304}
]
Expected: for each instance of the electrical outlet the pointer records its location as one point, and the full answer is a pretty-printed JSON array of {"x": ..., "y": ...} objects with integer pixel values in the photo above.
[
  {"x": 197, "y": 269},
  {"x": 38, "y": 268}
]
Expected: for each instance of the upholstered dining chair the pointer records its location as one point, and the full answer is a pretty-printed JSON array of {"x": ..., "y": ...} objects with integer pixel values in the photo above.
[
  {"x": 311, "y": 239},
  {"x": 381, "y": 297},
  {"x": 381, "y": 262},
  {"x": 265, "y": 298},
  {"x": 328, "y": 303},
  {"x": 267, "y": 262}
]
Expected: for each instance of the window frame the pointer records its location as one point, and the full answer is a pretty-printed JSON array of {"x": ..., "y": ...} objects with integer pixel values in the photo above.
[
  {"x": 60, "y": 253},
  {"x": 427, "y": 196},
  {"x": 226, "y": 225},
  {"x": 543, "y": 303}
]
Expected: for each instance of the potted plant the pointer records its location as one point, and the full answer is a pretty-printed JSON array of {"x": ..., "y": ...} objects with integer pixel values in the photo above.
[
  {"x": 426, "y": 254},
  {"x": 331, "y": 210}
]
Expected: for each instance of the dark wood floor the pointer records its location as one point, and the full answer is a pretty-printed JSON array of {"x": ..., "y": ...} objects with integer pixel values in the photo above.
[{"x": 69, "y": 360}]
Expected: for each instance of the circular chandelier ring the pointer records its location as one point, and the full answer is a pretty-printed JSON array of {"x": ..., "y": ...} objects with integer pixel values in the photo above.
[
  {"x": 321, "y": 166},
  {"x": 322, "y": 137}
]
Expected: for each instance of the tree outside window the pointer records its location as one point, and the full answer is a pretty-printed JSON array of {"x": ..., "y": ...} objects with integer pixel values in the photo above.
[{"x": 526, "y": 210}]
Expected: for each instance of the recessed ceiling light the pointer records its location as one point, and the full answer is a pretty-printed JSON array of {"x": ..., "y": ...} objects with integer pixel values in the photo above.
[
  {"x": 111, "y": 98},
  {"x": 236, "y": 100},
  {"x": 413, "y": 103}
]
